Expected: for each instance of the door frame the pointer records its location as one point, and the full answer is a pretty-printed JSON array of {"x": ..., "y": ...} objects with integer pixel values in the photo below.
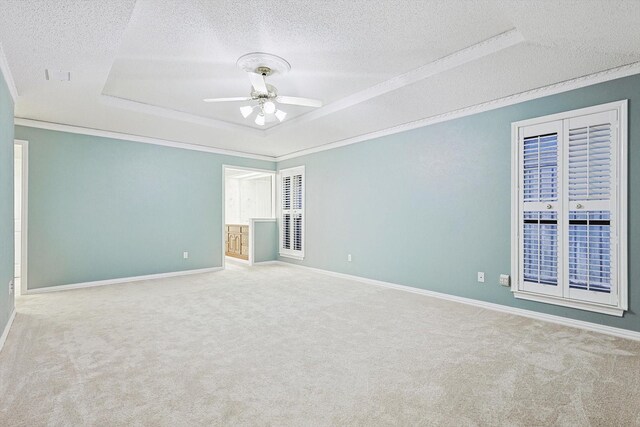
[
  {"x": 224, "y": 201},
  {"x": 24, "y": 215}
]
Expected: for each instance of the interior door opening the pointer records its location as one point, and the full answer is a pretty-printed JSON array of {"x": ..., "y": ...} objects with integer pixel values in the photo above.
[
  {"x": 249, "y": 195},
  {"x": 20, "y": 158}
]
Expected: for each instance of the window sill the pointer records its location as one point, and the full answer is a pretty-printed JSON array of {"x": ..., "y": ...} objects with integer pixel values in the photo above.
[
  {"x": 298, "y": 257},
  {"x": 612, "y": 311}
]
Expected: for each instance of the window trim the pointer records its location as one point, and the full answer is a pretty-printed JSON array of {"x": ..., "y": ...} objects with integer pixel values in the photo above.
[
  {"x": 621, "y": 210},
  {"x": 290, "y": 253}
]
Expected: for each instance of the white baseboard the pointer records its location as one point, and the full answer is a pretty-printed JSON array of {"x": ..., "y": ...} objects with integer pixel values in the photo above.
[
  {"x": 120, "y": 280},
  {"x": 5, "y": 333},
  {"x": 269, "y": 262},
  {"x": 595, "y": 327}
]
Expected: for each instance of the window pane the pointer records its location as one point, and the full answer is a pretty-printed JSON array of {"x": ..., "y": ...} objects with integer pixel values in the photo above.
[
  {"x": 540, "y": 168},
  {"x": 297, "y": 192},
  {"x": 540, "y": 251},
  {"x": 286, "y": 231},
  {"x": 590, "y": 250},
  {"x": 297, "y": 233},
  {"x": 286, "y": 192}
]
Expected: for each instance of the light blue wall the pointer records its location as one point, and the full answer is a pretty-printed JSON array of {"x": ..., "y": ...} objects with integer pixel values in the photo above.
[
  {"x": 426, "y": 208},
  {"x": 103, "y": 208},
  {"x": 429, "y": 208},
  {"x": 6, "y": 202},
  {"x": 265, "y": 241}
]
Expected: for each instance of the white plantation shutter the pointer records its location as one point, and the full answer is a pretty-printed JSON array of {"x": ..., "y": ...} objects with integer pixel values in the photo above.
[
  {"x": 539, "y": 207},
  {"x": 292, "y": 212},
  {"x": 568, "y": 211},
  {"x": 286, "y": 213},
  {"x": 591, "y": 252},
  {"x": 297, "y": 201}
]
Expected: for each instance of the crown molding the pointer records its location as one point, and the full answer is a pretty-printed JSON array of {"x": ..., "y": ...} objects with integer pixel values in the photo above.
[
  {"x": 8, "y": 77},
  {"x": 565, "y": 86},
  {"x": 472, "y": 53},
  {"x": 18, "y": 121},
  {"x": 141, "y": 107},
  {"x": 553, "y": 89}
]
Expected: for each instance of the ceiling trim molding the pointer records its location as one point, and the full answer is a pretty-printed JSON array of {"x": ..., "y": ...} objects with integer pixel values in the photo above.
[
  {"x": 8, "y": 77},
  {"x": 169, "y": 113},
  {"x": 565, "y": 86},
  {"x": 472, "y": 53},
  {"x": 553, "y": 89},
  {"x": 18, "y": 121}
]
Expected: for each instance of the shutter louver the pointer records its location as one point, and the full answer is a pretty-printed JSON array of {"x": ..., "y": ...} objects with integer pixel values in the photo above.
[
  {"x": 297, "y": 192},
  {"x": 286, "y": 231},
  {"x": 297, "y": 232},
  {"x": 590, "y": 163},
  {"x": 286, "y": 193},
  {"x": 590, "y": 251},
  {"x": 540, "y": 252},
  {"x": 541, "y": 168}
]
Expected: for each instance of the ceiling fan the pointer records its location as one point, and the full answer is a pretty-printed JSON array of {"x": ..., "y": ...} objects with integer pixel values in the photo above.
[{"x": 262, "y": 95}]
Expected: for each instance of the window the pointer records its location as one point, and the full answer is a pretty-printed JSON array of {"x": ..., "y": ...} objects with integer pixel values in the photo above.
[
  {"x": 569, "y": 220},
  {"x": 292, "y": 212}
]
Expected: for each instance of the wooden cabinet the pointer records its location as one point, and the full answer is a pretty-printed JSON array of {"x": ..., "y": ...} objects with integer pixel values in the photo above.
[{"x": 237, "y": 241}]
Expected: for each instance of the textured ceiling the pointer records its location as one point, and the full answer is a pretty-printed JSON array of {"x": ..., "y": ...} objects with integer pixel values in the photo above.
[{"x": 166, "y": 55}]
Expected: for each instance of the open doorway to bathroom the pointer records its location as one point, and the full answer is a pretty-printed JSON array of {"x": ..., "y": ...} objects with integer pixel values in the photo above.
[
  {"x": 20, "y": 168},
  {"x": 249, "y": 201}
]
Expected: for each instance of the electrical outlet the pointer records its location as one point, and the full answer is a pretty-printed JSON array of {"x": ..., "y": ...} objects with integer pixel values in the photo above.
[
  {"x": 185, "y": 255},
  {"x": 11, "y": 287},
  {"x": 480, "y": 276},
  {"x": 349, "y": 257},
  {"x": 504, "y": 280}
]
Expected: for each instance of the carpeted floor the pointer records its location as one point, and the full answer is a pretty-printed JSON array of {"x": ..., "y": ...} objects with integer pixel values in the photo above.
[{"x": 274, "y": 345}]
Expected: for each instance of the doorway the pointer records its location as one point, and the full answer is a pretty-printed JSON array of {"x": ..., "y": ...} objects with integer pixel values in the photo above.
[
  {"x": 20, "y": 201},
  {"x": 249, "y": 195}
]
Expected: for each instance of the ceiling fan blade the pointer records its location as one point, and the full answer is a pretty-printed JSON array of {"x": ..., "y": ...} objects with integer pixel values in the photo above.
[
  {"x": 237, "y": 98},
  {"x": 258, "y": 83},
  {"x": 294, "y": 100}
]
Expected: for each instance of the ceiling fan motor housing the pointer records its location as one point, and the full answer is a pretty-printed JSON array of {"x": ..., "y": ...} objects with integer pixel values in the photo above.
[{"x": 273, "y": 93}]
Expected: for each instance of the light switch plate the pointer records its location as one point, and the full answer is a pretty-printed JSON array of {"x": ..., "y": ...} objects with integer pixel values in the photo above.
[
  {"x": 504, "y": 280},
  {"x": 480, "y": 276}
]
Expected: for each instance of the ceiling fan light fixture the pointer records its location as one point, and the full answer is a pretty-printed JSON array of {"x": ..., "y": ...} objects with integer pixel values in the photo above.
[
  {"x": 246, "y": 111},
  {"x": 269, "y": 107},
  {"x": 263, "y": 96},
  {"x": 281, "y": 115}
]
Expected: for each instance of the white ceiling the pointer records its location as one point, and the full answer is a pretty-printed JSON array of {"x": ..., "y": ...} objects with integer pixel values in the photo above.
[{"x": 142, "y": 67}]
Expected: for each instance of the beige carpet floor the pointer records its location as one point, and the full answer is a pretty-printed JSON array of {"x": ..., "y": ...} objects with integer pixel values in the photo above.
[{"x": 274, "y": 345}]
